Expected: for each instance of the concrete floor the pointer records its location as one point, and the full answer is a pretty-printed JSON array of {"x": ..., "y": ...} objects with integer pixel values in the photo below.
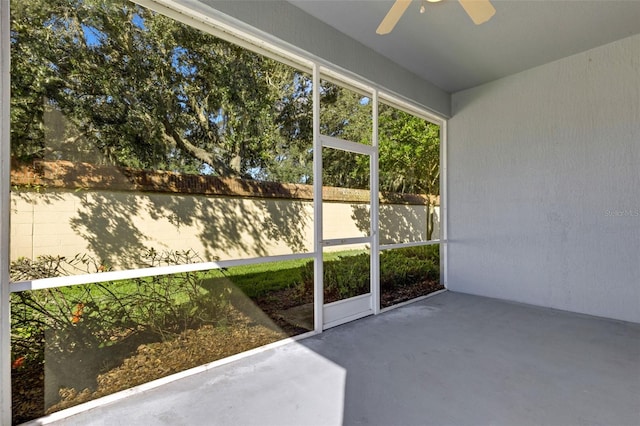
[{"x": 452, "y": 359}]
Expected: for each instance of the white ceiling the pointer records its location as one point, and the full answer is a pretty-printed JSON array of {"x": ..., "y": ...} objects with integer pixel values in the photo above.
[{"x": 444, "y": 46}]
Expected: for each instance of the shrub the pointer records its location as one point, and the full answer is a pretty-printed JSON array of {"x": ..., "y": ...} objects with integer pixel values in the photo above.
[
  {"x": 345, "y": 277},
  {"x": 430, "y": 252},
  {"x": 88, "y": 329},
  {"x": 50, "y": 310},
  {"x": 406, "y": 266},
  {"x": 169, "y": 304},
  {"x": 348, "y": 276},
  {"x": 101, "y": 314}
]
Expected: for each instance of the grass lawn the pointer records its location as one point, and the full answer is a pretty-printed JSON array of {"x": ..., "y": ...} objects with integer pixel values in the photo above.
[
  {"x": 259, "y": 279},
  {"x": 254, "y": 280}
]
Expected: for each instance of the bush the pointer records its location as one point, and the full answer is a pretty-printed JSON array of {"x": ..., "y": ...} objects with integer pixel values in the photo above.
[
  {"x": 170, "y": 304},
  {"x": 406, "y": 266},
  {"x": 344, "y": 277},
  {"x": 348, "y": 276},
  {"x": 35, "y": 312},
  {"x": 431, "y": 253},
  {"x": 96, "y": 315}
]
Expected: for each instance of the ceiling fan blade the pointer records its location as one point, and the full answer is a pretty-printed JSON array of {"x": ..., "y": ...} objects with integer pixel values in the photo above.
[
  {"x": 393, "y": 16},
  {"x": 480, "y": 11}
]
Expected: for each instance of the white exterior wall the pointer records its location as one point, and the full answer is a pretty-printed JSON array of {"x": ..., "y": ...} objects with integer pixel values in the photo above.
[{"x": 544, "y": 185}]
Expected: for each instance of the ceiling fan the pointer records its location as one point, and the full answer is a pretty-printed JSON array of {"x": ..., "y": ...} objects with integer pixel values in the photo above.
[{"x": 480, "y": 11}]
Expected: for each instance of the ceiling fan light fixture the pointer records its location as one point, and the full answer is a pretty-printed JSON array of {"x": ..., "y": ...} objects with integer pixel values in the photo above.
[{"x": 423, "y": 8}]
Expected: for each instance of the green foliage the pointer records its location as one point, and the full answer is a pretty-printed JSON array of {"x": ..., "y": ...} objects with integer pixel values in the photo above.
[
  {"x": 409, "y": 153},
  {"x": 96, "y": 315},
  {"x": 348, "y": 276},
  {"x": 115, "y": 83},
  {"x": 346, "y": 115},
  {"x": 87, "y": 317},
  {"x": 406, "y": 266},
  {"x": 112, "y": 82},
  {"x": 169, "y": 304},
  {"x": 258, "y": 284}
]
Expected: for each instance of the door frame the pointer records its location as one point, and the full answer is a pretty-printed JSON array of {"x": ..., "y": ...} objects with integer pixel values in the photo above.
[
  {"x": 345, "y": 310},
  {"x": 342, "y": 311}
]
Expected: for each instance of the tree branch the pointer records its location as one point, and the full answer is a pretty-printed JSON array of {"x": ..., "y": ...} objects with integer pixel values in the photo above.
[{"x": 203, "y": 155}]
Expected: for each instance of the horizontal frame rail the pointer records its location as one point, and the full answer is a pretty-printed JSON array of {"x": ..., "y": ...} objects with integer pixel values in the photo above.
[
  {"x": 412, "y": 244},
  {"x": 343, "y": 145},
  {"x": 346, "y": 241},
  {"x": 69, "y": 280}
]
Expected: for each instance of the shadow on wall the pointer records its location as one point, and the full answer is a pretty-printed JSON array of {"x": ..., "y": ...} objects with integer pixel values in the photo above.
[
  {"x": 113, "y": 225},
  {"x": 397, "y": 223},
  {"x": 108, "y": 216},
  {"x": 106, "y": 224},
  {"x": 115, "y": 215}
]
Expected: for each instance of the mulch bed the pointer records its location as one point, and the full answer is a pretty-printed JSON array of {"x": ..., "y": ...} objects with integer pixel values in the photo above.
[
  {"x": 27, "y": 396},
  {"x": 390, "y": 297},
  {"x": 189, "y": 349},
  {"x": 150, "y": 361}
]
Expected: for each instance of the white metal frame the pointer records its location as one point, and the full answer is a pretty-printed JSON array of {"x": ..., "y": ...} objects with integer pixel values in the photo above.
[
  {"x": 5, "y": 228},
  {"x": 318, "y": 271},
  {"x": 346, "y": 310},
  {"x": 444, "y": 207},
  {"x": 374, "y": 214},
  {"x": 343, "y": 145},
  {"x": 411, "y": 244},
  {"x": 127, "y": 274},
  {"x": 207, "y": 19}
]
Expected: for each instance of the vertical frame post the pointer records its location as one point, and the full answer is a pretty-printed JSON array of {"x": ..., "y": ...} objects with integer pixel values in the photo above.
[
  {"x": 444, "y": 215},
  {"x": 375, "y": 209},
  {"x": 318, "y": 287},
  {"x": 5, "y": 165}
]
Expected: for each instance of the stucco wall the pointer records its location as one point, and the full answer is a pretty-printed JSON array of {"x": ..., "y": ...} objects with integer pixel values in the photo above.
[
  {"x": 62, "y": 208},
  {"x": 113, "y": 225},
  {"x": 544, "y": 184}
]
